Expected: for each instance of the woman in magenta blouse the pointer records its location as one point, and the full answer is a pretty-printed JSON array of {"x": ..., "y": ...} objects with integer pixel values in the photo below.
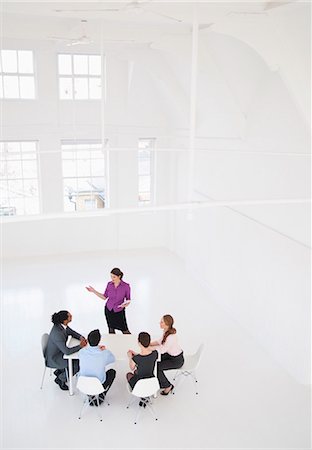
[{"x": 117, "y": 297}]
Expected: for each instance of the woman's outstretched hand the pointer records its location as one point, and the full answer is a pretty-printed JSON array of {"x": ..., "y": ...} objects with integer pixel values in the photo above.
[{"x": 90, "y": 289}]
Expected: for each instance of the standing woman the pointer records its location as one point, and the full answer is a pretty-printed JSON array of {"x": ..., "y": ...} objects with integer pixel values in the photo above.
[
  {"x": 117, "y": 297},
  {"x": 171, "y": 353}
]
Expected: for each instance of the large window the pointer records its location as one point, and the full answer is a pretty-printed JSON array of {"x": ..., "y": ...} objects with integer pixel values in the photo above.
[
  {"x": 145, "y": 155},
  {"x": 19, "y": 192},
  {"x": 80, "y": 76},
  {"x": 83, "y": 175},
  {"x": 17, "y": 78}
]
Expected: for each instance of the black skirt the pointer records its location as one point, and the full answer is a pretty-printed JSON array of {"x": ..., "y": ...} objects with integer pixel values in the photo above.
[{"x": 116, "y": 320}]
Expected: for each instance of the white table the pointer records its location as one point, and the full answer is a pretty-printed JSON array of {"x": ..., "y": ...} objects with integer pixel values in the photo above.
[{"x": 118, "y": 344}]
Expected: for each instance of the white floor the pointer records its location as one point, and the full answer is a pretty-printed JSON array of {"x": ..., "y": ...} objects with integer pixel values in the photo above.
[{"x": 245, "y": 400}]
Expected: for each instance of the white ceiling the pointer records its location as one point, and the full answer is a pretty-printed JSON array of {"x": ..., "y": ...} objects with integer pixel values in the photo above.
[{"x": 136, "y": 21}]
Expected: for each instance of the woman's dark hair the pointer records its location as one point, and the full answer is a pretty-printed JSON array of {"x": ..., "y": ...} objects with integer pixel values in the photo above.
[
  {"x": 144, "y": 339},
  {"x": 94, "y": 338},
  {"x": 169, "y": 322},
  {"x": 117, "y": 272},
  {"x": 59, "y": 317}
]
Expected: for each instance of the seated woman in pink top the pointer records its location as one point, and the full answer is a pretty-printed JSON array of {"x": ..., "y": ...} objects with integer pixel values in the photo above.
[
  {"x": 171, "y": 353},
  {"x": 117, "y": 298}
]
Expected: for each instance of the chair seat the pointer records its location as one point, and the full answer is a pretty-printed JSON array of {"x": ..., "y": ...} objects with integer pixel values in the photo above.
[
  {"x": 146, "y": 387},
  {"x": 90, "y": 385}
]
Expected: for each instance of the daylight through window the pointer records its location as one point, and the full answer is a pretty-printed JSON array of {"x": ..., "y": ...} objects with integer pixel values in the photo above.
[
  {"x": 83, "y": 175},
  {"x": 80, "y": 77},
  {"x": 19, "y": 178},
  {"x": 17, "y": 78}
]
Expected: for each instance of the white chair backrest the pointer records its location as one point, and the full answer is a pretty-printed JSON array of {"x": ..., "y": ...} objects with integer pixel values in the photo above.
[
  {"x": 89, "y": 385},
  {"x": 44, "y": 343},
  {"x": 198, "y": 354},
  {"x": 146, "y": 387}
]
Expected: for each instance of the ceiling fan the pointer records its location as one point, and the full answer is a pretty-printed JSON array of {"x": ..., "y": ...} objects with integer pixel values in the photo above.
[
  {"x": 84, "y": 39},
  {"x": 134, "y": 7}
]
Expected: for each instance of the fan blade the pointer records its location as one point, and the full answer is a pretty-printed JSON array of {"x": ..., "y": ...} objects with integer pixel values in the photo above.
[
  {"x": 205, "y": 26},
  {"x": 59, "y": 38},
  {"x": 162, "y": 15},
  {"x": 71, "y": 44},
  {"x": 86, "y": 10}
]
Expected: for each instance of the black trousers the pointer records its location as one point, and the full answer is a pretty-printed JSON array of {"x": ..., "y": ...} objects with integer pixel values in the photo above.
[
  {"x": 75, "y": 362},
  {"x": 168, "y": 362},
  {"x": 110, "y": 377}
]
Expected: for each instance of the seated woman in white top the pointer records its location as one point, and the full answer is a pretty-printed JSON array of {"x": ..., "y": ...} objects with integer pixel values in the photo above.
[{"x": 171, "y": 353}]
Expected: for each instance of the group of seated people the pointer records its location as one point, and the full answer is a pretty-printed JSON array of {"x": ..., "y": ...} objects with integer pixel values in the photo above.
[{"x": 94, "y": 357}]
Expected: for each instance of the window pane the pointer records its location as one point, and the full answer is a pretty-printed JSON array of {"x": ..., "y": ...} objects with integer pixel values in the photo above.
[
  {"x": 28, "y": 156},
  {"x": 90, "y": 204},
  {"x": 66, "y": 88},
  {"x": 83, "y": 168},
  {"x": 14, "y": 147},
  {"x": 9, "y": 61},
  {"x": 97, "y": 154},
  {"x": 98, "y": 184},
  {"x": 144, "y": 167},
  {"x": 19, "y": 204},
  {"x": 30, "y": 169},
  {"x": 65, "y": 64},
  {"x": 97, "y": 167},
  {"x": 83, "y": 185},
  {"x": 81, "y": 64},
  {"x": 83, "y": 154},
  {"x": 68, "y": 155},
  {"x": 31, "y": 188},
  {"x": 144, "y": 183},
  {"x": 27, "y": 87},
  {"x": 69, "y": 205},
  {"x": 10, "y": 84},
  {"x": 70, "y": 185},
  {"x": 3, "y": 169},
  {"x": 15, "y": 188},
  {"x": 94, "y": 65},
  {"x": 25, "y": 62},
  {"x": 28, "y": 146},
  {"x": 3, "y": 192},
  {"x": 14, "y": 169},
  {"x": 69, "y": 168},
  {"x": 12, "y": 156},
  {"x": 144, "y": 197},
  {"x": 81, "y": 88},
  {"x": 95, "y": 87}
]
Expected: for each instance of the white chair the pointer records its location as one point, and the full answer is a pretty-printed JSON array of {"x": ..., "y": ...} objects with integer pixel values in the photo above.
[
  {"x": 144, "y": 390},
  {"x": 91, "y": 387},
  {"x": 44, "y": 343},
  {"x": 190, "y": 365}
]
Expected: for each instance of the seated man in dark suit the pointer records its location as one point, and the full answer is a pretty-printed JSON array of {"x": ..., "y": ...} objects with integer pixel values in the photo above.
[{"x": 57, "y": 347}]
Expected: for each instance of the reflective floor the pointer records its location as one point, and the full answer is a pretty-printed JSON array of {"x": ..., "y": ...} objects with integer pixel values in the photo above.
[{"x": 245, "y": 399}]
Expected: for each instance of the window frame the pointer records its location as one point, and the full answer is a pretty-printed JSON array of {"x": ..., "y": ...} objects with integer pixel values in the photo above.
[
  {"x": 75, "y": 142},
  {"x": 7, "y": 179},
  {"x": 151, "y": 175},
  {"x": 74, "y": 76},
  {"x": 18, "y": 74}
]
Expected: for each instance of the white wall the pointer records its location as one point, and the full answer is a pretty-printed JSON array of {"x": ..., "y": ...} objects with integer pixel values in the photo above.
[
  {"x": 83, "y": 233},
  {"x": 254, "y": 260}
]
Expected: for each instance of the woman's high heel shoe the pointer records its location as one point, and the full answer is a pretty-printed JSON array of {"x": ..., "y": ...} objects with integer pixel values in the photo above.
[{"x": 166, "y": 393}]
